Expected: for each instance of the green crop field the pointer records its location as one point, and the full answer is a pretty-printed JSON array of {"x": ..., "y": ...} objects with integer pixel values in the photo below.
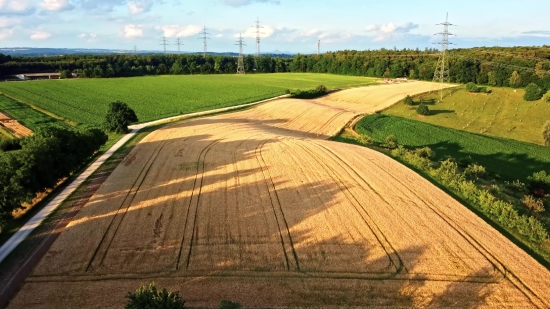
[
  {"x": 508, "y": 158},
  {"x": 503, "y": 113},
  {"x": 85, "y": 101},
  {"x": 27, "y": 116}
]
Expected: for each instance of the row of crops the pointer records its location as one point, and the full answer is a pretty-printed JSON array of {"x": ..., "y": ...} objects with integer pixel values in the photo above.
[
  {"x": 507, "y": 158},
  {"x": 27, "y": 116},
  {"x": 86, "y": 101}
]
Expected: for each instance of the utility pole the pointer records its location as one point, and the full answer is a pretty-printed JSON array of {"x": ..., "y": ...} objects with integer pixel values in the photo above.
[
  {"x": 204, "y": 37},
  {"x": 164, "y": 43},
  {"x": 258, "y": 33},
  {"x": 135, "y": 50},
  {"x": 179, "y": 43},
  {"x": 318, "y": 47},
  {"x": 240, "y": 62},
  {"x": 441, "y": 74}
]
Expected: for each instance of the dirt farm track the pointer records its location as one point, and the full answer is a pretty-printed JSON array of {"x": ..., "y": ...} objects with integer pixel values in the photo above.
[{"x": 258, "y": 207}]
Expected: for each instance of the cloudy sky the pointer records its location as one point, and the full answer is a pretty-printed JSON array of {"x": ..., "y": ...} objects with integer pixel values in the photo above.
[{"x": 288, "y": 25}]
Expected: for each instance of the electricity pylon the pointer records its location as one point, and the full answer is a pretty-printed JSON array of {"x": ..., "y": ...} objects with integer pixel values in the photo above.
[
  {"x": 240, "y": 62},
  {"x": 258, "y": 33},
  {"x": 204, "y": 37},
  {"x": 441, "y": 74},
  {"x": 164, "y": 43},
  {"x": 318, "y": 47},
  {"x": 179, "y": 43}
]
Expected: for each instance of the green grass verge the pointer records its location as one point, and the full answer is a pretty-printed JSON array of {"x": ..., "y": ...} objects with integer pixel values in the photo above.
[
  {"x": 507, "y": 158},
  {"x": 503, "y": 113},
  {"x": 85, "y": 101}
]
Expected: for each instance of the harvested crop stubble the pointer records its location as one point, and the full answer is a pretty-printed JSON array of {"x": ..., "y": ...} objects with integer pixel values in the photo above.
[
  {"x": 14, "y": 126},
  {"x": 252, "y": 207}
]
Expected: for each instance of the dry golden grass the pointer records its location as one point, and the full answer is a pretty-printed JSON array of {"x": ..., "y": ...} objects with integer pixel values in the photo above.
[
  {"x": 17, "y": 129},
  {"x": 253, "y": 207}
]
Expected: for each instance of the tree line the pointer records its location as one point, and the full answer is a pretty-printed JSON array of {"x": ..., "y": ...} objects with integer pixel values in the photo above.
[
  {"x": 41, "y": 161},
  {"x": 496, "y": 66}
]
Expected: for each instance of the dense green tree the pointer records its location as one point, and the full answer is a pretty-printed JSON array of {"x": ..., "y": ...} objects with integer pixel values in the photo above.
[
  {"x": 515, "y": 80},
  {"x": 532, "y": 92},
  {"x": 119, "y": 116},
  {"x": 423, "y": 109}
]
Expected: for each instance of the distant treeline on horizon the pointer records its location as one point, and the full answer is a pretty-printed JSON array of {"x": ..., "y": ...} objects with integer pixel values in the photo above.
[{"x": 491, "y": 66}]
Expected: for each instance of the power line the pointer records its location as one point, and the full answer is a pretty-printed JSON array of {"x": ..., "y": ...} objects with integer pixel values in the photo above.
[
  {"x": 204, "y": 37},
  {"x": 441, "y": 74},
  {"x": 258, "y": 33},
  {"x": 240, "y": 62},
  {"x": 179, "y": 43},
  {"x": 164, "y": 43}
]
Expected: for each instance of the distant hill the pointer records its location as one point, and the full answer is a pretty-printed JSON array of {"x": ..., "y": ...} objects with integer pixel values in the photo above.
[{"x": 29, "y": 51}]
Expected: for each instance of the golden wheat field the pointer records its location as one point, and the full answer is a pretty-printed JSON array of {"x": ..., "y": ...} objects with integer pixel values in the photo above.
[{"x": 257, "y": 207}]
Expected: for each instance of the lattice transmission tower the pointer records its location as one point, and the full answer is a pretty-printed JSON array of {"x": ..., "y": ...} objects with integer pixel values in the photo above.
[
  {"x": 164, "y": 43},
  {"x": 204, "y": 37},
  {"x": 318, "y": 47},
  {"x": 441, "y": 74},
  {"x": 240, "y": 62},
  {"x": 179, "y": 43},
  {"x": 258, "y": 34}
]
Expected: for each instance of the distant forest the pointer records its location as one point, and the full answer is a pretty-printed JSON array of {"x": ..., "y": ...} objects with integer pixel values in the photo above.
[{"x": 487, "y": 66}]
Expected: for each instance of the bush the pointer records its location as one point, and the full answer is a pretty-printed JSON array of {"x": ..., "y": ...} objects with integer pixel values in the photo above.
[
  {"x": 227, "y": 304},
  {"x": 150, "y": 298},
  {"x": 287, "y": 91},
  {"x": 409, "y": 100},
  {"x": 516, "y": 186},
  {"x": 532, "y": 92},
  {"x": 310, "y": 94},
  {"x": 534, "y": 205},
  {"x": 390, "y": 142},
  {"x": 423, "y": 109},
  {"x": 471, "y": 87},
  {"x": 546, "y": 133},
  {"x": 321, "y": 89},
  {"x": 546, "y": 97},
  {"x": 425, "y": 152},
  {"x": 119, "y": 117},
  {"x": 539, "y": 183},
  {"x": 474, "y": 171},
  {"x": 365, "y": 140}
]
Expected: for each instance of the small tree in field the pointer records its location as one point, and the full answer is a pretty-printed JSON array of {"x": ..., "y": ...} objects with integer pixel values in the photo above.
[
  {"x": 515, "y": 79},
  {"x": 119, "y": 117},
  {"x": 151, "y": 298},
  {"x": 546, "y": 133},
  {"x": 423, "y": 109},
  {"x": 532, "y": 92}
]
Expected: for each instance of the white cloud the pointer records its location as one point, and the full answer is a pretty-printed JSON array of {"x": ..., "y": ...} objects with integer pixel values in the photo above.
[
  {"x": 139, "y": 6},
  {"x": 239, "y": 3},
  {"x": 220, "y": 35},
  {"x": 56, "y": 5},
  {"x": 8, "y": 22},
  {"x": 265, "y": 32},
  {"x": 19, "y": 7},
  {"x": 40, "y": 35},
  {"x": 5, "y": 33},
  {"x": 132, "y": 31},
  {"x": 388, "y": 31},
  {"x": 172, "y": 31},
  {"x": 88, "y": 37}
]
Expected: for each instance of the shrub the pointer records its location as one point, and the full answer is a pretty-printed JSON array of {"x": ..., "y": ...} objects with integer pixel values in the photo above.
[
  {"x": 321, "y": 89},
  {"x": 516, "y": 186},
  {"x": 390, "y": 142},
  {"x": 399, "y": 152},
  {"x": 539, "y": 183},
  {"x": 423, "y": 109},
  {"x": 546, "y": 97},
  {"x": 365, "y": 140},
  {"x": 409, "y": 100},
  {"x": 471, "y": 87},
  {"x": 532, "y": 92},
  {"x": 150, "y": 298},
  {"x": 310, "y": 94},
  {"x": 546, "y": 133},
  {"x": 474, "y": 171},
  {"x": 534, "y": 205},
  {"x": 227, "y": 304},
  {"x": 425, "y": 152},
  {"x": 287, "y": 91}
]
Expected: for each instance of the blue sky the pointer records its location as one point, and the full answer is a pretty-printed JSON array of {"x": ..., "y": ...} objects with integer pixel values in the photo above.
[{"x": 289, "y": 25}]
